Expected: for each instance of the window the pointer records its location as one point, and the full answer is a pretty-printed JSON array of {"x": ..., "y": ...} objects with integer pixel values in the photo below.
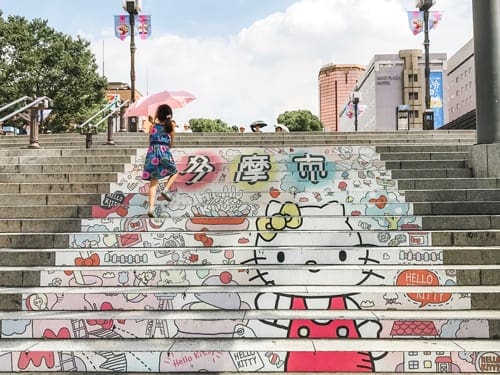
[
  {"x": 413, "y": 365},
  {"x": 413, "y": 353},
  {"x": 413, "y": 77},
  {"x": 413, "y": 95},
  {"x": 439, "y": 353},
  {"x": 427, "y": 364},
  {"x": 457, "y": 92},
  {"x": 456, "y": 79},
  {"x": 416, "y": 114}
]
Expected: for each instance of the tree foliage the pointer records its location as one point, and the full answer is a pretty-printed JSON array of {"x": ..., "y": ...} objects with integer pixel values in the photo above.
[
  {"x": 300, "y": 120},
  {"x": 36, "y": 60},
  {"x": 210, "y": 126}
]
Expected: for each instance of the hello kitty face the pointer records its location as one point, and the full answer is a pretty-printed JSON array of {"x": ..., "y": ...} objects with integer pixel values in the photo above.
[{"x": 315, "y": 235}]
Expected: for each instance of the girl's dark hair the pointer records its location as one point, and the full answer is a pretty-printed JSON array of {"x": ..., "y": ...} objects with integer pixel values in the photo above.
[{"x": 164, "y": 115}]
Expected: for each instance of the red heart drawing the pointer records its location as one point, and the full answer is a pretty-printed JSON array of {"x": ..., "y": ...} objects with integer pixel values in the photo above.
[{"x": 380, "y": 202}]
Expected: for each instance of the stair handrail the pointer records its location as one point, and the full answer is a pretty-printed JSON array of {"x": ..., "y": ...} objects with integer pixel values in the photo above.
[
  {"x": 112, "y": 112},
  {"x": 35, "y": 101},
  {"x": 106, "y": 108},
  {"x": 14, "y": 102}
]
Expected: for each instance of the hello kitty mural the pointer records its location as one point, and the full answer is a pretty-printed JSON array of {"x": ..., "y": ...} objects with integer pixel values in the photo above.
[{"x": 256, "y": 218}]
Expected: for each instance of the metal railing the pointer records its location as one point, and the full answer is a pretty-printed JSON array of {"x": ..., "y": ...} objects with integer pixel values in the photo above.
[
  {"x": 8, "y": 105},
  {"x": 35, "y": 105},
  {"x": 89, "y": 129}
]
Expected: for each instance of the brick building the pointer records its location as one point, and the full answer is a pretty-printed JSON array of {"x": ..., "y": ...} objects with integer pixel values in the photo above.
[{"x": 336, "y": 82}]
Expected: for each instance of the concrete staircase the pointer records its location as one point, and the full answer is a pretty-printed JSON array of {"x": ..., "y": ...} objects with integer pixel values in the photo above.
[{"x": 380, "y": 251}]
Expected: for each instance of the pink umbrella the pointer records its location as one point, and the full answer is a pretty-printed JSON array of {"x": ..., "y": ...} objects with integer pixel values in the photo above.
[{"x": 147, "y": 105}]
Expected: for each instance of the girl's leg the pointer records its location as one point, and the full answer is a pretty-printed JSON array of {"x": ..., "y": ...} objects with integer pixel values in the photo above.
[
  {"x": 170, "y": 181},
  {"x": 167, "y": 187},
  {"x": 153, "y": 184}
]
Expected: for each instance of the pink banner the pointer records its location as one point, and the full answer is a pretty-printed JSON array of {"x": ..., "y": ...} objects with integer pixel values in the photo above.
[
  {"x": 435, "y": 19},
  {"x": 416, "y": 20},
  {"x": 122, "y": 27},
  {"x": 144, "y": 26}
]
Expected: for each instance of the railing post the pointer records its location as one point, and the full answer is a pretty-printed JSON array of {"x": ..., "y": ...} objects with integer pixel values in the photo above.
[
  {"x": 123, "y": 125},
  {"x": 34, "y": 128},
  {"x": 88, "y": 140},
  {"x": 110, "y": 140}
]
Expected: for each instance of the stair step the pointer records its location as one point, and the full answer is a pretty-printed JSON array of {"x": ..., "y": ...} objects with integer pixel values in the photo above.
[
  {"x": 431, "y": 173},
  {"x": 70, "y": 187},
  {"x": 448, "y": 183},
  {"x": 68, "y": 225},
  {"x": 61, "y": 168},
  {"x": 423, "y": 155},
  {"x": 248, "y": 345},
  {"x": 439, "y": 238},
  {"x": 407, "y": 315}
]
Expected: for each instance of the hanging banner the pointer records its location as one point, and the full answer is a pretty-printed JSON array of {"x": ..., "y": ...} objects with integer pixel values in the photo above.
[
  {"x": 349, "y": 110},
  {"x": 435, "y": 19},
  {"x": 122, "y": 27},
  {"x": 416, "y": 20},
  {"x": 436, "y": 93},
  {"x": 144, "y": 26}
]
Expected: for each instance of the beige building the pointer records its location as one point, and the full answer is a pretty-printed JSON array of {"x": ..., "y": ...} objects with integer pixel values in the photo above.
[
  {"x": 460, "y": 82},
  {"x": 336, "y": 82},
  {"x": 393, "y": 90}
]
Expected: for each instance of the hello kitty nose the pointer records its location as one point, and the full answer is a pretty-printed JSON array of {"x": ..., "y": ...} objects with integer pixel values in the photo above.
[{"x": 312, "y": 262}]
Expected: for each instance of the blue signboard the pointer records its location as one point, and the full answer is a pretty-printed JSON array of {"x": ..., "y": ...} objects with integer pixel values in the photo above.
[{"x": 436, "y": 92}]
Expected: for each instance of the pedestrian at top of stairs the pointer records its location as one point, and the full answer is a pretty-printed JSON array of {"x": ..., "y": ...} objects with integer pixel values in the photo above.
[{"x": 159, "y": 163}]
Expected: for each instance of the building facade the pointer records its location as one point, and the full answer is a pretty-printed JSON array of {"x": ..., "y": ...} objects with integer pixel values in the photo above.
[
  {"x": 461, "y": 82},
  {"x": 392, "y": 91},
  {"x": 336, "y": 81}
]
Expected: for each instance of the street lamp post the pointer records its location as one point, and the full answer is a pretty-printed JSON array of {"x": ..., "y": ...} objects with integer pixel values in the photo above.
[
  {"x": 428, "y": 119},
  {"x": 132, "y": 7},
  {"x": 355, "y": 99}
]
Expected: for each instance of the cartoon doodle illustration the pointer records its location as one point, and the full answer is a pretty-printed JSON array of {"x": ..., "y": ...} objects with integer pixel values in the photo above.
[
  {"x": 290, "y": 217},
  {"x": 423, "y": 277},
  {"x": 211, "y": 301},
  {"x": 309, "y": 190}
]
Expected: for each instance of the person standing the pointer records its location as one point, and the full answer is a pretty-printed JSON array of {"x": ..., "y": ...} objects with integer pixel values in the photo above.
[
  {"x": 187, "y": 128},
  {"x": 159, "y": 163}
]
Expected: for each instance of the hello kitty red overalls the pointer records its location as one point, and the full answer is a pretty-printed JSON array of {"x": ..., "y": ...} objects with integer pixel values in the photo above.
[{"x": 326, "y": 361}]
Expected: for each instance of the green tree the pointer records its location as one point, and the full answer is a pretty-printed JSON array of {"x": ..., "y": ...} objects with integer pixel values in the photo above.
[
  {"x": 301, "y": 120},
  {"x": 36, "y": 60},
  {"x": 210, "y": 126}
]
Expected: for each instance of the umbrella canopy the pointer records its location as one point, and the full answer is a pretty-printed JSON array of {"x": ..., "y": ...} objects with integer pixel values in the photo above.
[
  {"x": 147, "y": 105},
  {"x": 257, "y": 125}
]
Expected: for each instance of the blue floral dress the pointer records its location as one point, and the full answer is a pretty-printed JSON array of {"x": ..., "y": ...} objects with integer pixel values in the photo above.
[{"x": 159, "y": 161}]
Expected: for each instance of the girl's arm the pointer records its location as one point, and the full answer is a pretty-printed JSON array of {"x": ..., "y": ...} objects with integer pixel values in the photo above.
[{"x": 172, "y": 137}]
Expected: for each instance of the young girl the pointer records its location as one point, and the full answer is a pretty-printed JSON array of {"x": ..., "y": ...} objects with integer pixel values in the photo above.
[{"x": 159, "y": 163}]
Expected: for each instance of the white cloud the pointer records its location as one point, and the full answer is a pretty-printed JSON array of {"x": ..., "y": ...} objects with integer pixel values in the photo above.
[{"x": 272, "y": 65}]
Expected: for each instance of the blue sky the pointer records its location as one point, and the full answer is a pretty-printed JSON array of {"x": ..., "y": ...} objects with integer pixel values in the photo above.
[
  {"x": 187, "y": 17},
  {"x": 246, "y": 60}
]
